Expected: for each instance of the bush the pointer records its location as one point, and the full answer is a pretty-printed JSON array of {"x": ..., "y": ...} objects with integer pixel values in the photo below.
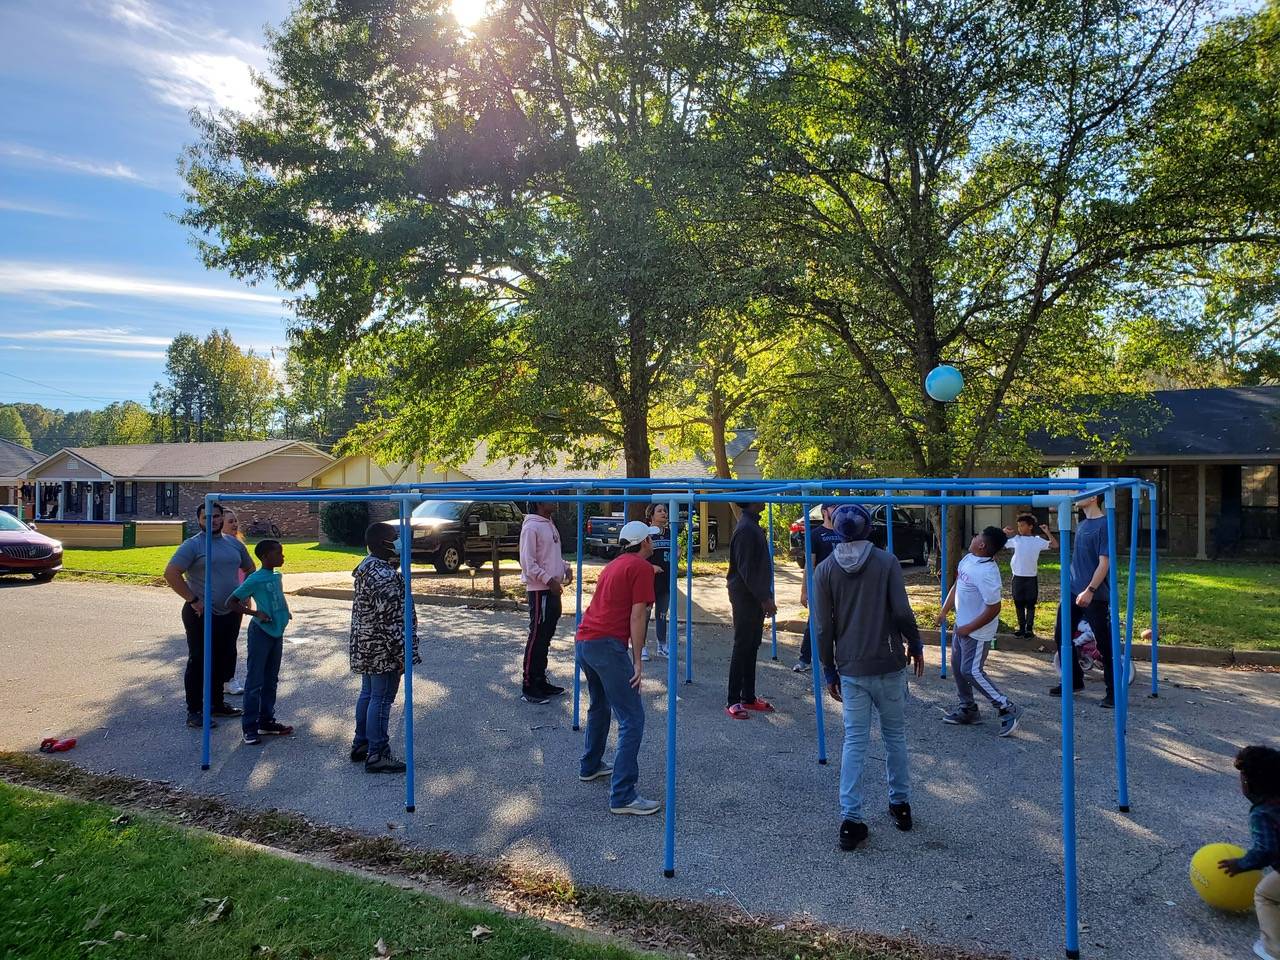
[{"x": 344, "y": 522}]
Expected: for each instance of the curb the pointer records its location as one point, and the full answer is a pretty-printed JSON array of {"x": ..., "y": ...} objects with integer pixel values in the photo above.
[{"x": 1169, "y": 653}]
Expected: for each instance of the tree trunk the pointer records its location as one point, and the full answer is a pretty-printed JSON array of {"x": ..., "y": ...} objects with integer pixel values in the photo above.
[{"x": 636, "y": 452}]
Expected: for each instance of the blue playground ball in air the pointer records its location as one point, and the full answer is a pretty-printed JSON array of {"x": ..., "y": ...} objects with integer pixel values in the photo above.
[{"x": 944, "y": 383}]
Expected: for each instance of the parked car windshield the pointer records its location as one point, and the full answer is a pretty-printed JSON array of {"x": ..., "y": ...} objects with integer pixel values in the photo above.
[
  {"x": 9, "y": 522},
  {"x": 441, "y": 509}
]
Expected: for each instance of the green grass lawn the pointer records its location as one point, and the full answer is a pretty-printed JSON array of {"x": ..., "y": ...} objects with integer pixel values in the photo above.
[
  {"x": 80, "y": 881},
  {"x": 305, "y": 556},
  {"x": 1202, "y": 603}
]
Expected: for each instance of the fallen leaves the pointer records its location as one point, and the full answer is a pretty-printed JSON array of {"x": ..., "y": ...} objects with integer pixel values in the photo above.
[
  {"x": 216, "y": 910},
  {"x": 480, "y": 933}
]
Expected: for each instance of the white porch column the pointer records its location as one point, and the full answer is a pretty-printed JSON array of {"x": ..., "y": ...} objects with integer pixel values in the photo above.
[
  {"x": 1201, "y": 553},
  {"x": 62, "y": 499},
  {"x": 111, "y": 511}
]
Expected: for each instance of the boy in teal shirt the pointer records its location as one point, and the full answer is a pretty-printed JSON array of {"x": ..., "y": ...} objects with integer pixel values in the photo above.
[{"x": 266, "y": 642}]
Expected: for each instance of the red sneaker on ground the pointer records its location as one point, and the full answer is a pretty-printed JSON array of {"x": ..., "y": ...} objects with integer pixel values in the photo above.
[{"x": 758, "y": 705}]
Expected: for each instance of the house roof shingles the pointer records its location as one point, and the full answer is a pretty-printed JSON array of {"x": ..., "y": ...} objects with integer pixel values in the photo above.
[
  {"x": 15, "y": 459},
  {"x": 177, "y": 461},
  {"x": 1216, "y": 423}
]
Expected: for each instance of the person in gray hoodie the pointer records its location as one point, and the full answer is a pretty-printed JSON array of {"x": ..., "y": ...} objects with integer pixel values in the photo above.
[{"x": 866, "y": 635}]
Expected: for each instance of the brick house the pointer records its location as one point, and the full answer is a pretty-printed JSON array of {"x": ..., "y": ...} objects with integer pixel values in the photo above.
[
  {"x": 16, "y": 493},
  {"x": 167, "y": 481},
  {"x": 1215, "y": 454}
]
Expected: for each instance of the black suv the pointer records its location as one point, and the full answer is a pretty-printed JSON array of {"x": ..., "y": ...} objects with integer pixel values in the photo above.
[
  {"x": 448, "y": 533},
  {"x": 912, "y": 538}
]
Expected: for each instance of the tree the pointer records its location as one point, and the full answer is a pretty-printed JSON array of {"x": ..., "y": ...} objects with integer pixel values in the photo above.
[
  {"x": 507, "y": 228},
  {"x": 12, "y": 426},
  {"x": 968, "y": 182},
  {"x": 214, "y": 391}
]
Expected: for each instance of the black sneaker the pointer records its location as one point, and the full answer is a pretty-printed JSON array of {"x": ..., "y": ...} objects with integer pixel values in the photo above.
[
  {"x": 550, "y": 689},
  {"x": 901, "y": 813},
  {"x": 360, "y": 754},
  {"x": 1108, "y": 702},
  {"x": 533, "y": 696},
  {"x": 274, "y": 728},
  {"x": 196, "y": 721},
  {"x": 226, "y": 710},
  {"x": 1057, "y": 690},
  {"x": 384, "y": 763},
  {"x": 852, "y": 833},
  {"x": 252, "y": 738}
]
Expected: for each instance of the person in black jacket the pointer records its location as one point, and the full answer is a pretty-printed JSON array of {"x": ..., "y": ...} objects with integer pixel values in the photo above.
[{"x": 751, "y": 599}]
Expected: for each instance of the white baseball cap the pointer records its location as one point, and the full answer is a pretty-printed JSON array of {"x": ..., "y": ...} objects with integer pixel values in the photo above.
[{"x": 635, "y": 531}]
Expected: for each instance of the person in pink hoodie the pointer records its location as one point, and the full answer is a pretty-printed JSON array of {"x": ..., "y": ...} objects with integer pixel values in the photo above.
[{"x": 544, "y": 573}]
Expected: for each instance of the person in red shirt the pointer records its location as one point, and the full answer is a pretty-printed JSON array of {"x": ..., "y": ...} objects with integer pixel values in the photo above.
[{"x": 610, "y": 641}]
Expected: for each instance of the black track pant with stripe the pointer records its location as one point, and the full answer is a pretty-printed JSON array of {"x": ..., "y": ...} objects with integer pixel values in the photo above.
[{"x": 544, "y": 615}]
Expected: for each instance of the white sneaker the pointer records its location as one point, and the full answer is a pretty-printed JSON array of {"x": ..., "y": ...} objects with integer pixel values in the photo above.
[
  {"x": 644, "y": 654},
  {"x": 233, "y": 688},
  {"x": 662, "y": 650},
  {"x": 639, "y": 807},
  {"x": 1260, "y": 949},
  {"x": 604, "y": 770}
]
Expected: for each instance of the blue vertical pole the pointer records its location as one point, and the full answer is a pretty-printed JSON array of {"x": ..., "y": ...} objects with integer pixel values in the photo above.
[
  {"x": 1135, "y": 508},
  {"x": 673, "y": 673},
  {"x": 943, "y": 569},
  {"x": 1119, "y": 680},
  {"x": 206, "y": 745},
  {"x": 577, "y": 622},
  {"x": 1155, "y": 608},
  {"x": 773, "y": 583},
  {"x": 1066, "y": 660},
  {"x": 688, "y": 593},
  {"x": 819, "y": 716},
  {"x": 406, "y": 570}
]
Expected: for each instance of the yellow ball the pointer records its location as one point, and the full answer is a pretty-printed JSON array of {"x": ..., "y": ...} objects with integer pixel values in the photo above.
[{"x": 1234, "y": 894}]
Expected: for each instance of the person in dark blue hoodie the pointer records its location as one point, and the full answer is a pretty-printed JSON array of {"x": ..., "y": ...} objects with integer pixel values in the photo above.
[{"x": 867, "y": 632}]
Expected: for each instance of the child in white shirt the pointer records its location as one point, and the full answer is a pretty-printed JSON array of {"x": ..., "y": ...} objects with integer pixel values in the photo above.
[
  {"x": 1025, "y": 565},
  {"x": 975, "y": 598}
]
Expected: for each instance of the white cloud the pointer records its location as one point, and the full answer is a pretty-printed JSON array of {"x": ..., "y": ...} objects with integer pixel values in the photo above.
[
  {"x": 88, "y": 335},
  {"x": 27, "y": 279},
  {"x": 41, "y": 210},
  {"x": 208, "y": 81},
  {"x": 99, "y": 352},
  {"x": 93, "y": 168},
  {"x": 137, "y": 13}
]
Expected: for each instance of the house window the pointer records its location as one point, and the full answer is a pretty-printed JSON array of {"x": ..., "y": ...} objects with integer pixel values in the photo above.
[
  {"x": 126, "y": 498},
  {"x": 75, "y": 497},
  {"x": 1160, "y": 477},
  {"x": 1260, "y": 486},
  {"x": 166, "y": 499}
]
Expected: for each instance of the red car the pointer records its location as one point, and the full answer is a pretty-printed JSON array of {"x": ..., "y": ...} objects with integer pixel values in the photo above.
[{"x": 23, "y": 550}]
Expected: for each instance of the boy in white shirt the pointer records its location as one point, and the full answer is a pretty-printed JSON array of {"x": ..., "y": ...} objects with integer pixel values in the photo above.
[
  {"x": 975, "y": 598},
  {"x": 1025, "y": 566}
]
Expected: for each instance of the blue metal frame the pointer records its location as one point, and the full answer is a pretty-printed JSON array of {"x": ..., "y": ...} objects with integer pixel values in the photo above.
[{"x": 1058, "y": 493}]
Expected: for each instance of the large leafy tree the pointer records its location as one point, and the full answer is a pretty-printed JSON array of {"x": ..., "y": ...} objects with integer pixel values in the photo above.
[
  {"x": 969, "y": 181},
  {"x": 214, "y": 390},
  {"x": 507, "y": 227}
]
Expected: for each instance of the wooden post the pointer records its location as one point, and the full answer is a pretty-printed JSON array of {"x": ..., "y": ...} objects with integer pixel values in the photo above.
[
  {"x": 1201, "y": 553},
  {"x": 704, "y": 530}
]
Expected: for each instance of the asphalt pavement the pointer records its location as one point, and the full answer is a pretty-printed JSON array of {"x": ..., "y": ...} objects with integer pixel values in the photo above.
[{"x": 757, "y": 814}]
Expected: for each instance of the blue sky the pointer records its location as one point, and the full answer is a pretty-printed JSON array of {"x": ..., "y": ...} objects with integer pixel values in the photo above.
[{"x": 95, "y": 277}]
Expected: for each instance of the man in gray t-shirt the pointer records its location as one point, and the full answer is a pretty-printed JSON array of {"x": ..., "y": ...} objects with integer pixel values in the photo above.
[
  {"x": 1091, "y": 596},
  {"x": 185, "y": 576}
]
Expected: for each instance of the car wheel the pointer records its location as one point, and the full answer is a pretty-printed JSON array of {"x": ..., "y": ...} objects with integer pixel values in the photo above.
[
  {"x": 450, "y": 558},
  {"x": 44, "y": 576},
  {"x": 921, "y": 559},
  {"x": 712, "y": 541}
]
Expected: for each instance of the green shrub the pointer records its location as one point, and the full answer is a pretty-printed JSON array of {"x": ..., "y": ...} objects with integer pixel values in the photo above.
[{"x": 345, "y": 522}]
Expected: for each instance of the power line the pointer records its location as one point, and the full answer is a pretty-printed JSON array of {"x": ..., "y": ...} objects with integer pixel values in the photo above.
[{"x": 50, "y": 386}]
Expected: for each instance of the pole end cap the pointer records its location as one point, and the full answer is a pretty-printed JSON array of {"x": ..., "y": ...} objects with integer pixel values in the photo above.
[
  {"x": 1123, "y": 808},
  {"x": 822, "y": 761},
  {"x": 668, "y": 873},
  {"x": 409, "y": 808},
  {"x": 204, "y": 766}
]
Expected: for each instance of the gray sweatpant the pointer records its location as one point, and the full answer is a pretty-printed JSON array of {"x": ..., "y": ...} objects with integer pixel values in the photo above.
[{"x": 967, "y": 659}]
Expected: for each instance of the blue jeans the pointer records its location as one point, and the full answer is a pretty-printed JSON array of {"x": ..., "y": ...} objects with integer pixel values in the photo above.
[
  {"x": 261, "y": 675},
  {"x": 373, "y": 711},
  {"x": 607, "y": 664},
  {"x": 888, "y": 693}
]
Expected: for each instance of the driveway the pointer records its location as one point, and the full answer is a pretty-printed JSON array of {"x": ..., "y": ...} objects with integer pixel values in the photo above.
[{"x": 757, "y": 815}]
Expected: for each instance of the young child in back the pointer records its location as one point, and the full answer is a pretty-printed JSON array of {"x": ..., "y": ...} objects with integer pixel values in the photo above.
[
  {"x": 975, "y": 598},
  {"x": 1260, "y": 782},
  {"x": 265, "y": 642},
  {"x": 1025, "y": 566}
]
